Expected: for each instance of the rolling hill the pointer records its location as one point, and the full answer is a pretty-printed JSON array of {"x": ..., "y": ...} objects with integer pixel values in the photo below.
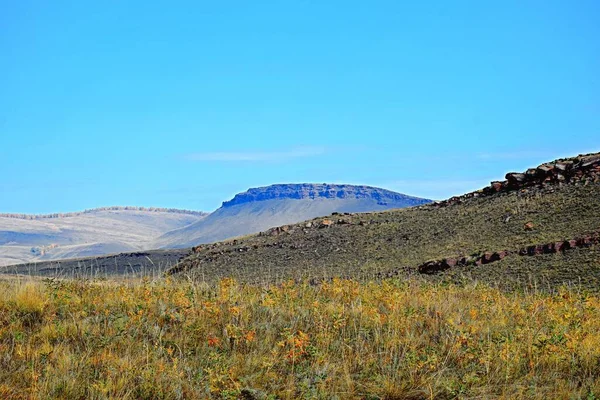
[
  {"x": 29, "y": 238},
  {"x": 507, "y": 233}
]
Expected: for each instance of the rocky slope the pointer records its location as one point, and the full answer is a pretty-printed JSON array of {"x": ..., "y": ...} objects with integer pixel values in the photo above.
[
  {"x": 556, "y": 202},
  {"x": 262, "y": 208}
]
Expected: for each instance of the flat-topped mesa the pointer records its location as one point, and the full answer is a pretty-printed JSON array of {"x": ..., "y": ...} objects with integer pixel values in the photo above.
[
  {"x": 583, "y": 169},
  {"x": 326, "y": 191}
]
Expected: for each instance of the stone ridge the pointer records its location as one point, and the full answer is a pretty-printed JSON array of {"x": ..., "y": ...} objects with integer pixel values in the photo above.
[
  {"x": 327, "y": 191},
  {"x": 581, "y": 170}
]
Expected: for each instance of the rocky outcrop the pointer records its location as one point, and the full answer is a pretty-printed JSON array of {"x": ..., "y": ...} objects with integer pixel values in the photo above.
[
  {"x": 580, "y": 170},
  {"x": 326, "y": 191},
  {"x": 435, "y": 266}
]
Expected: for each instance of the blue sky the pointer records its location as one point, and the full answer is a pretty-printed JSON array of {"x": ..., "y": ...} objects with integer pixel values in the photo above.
[{"x": 184, "y": 104}]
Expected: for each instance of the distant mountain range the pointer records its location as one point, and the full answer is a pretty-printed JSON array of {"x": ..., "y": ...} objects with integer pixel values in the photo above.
[{"x": 31, "y": 238}]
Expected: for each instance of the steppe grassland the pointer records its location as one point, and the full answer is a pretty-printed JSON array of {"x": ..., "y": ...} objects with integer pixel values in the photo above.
[{"x": 343, "y": 339}]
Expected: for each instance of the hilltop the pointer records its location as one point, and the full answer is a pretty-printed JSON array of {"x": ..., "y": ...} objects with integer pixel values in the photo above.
[
  {"x": 98, "y": 209},
  {"x": 322, "y": 191},
  {"x": 554, "y": 202}
]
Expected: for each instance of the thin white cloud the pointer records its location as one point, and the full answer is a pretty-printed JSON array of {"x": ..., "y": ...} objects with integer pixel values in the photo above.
[
  {"x": 257, "y": 156},
  {"x": 437, "y": 189},
  {"x": 514, "y": 155}
]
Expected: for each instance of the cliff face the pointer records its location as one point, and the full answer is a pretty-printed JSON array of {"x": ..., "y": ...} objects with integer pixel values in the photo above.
[{"x": 325, "y": 191}]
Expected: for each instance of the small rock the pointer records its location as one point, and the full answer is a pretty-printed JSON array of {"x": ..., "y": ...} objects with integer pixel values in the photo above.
[
  {"x": 326, "y": 223},
  {"x": 531, "y": 173},
  {"x": 589, "y": 160},
  {"x": 497, "y": 186},
  {"x": 515, "y": 177},
  {"x": 450, "y": 262},
  {"x": 539, "y": 249},
  {"x": 564, "y": 166},
  {"x": 431, "y": 267},
  {"x": 502, "y": 254},
  {"x": 548, "y": 248},
  {"x": 544, "y": 169},
  {"x": 584, "y": 241}
]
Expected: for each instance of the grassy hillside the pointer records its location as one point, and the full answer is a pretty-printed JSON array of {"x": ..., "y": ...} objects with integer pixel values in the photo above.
[
  {"x": 365, "y": 245},
  {"x": 340, "y": 340}
]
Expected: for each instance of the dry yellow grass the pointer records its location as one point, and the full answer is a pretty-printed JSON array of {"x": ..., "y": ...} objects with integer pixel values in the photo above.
[{"x": 388, "y": 340}]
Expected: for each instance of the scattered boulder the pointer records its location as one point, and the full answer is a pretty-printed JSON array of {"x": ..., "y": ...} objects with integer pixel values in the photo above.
[
  {"x": 450, "y": 262},
  {"x": 326, "y": 223},
  {"x": 560, "y": 246},
  {"x": 502, "y": 254},
  {"x": 589, "y": 160},
  {"x": 432, "y": 267},
  {"x": 497, "y": 186},
  {"x": 563, "y": 166},
  {"x": 531, "y": 173},
  {"x": 545, "y": 170},
  {"x": 515, "y": 178},
  {"x": 487, "y": 258}
]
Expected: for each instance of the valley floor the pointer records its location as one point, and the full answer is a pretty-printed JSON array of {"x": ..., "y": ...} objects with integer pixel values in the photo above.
[{"x": 393, "y": 339}]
